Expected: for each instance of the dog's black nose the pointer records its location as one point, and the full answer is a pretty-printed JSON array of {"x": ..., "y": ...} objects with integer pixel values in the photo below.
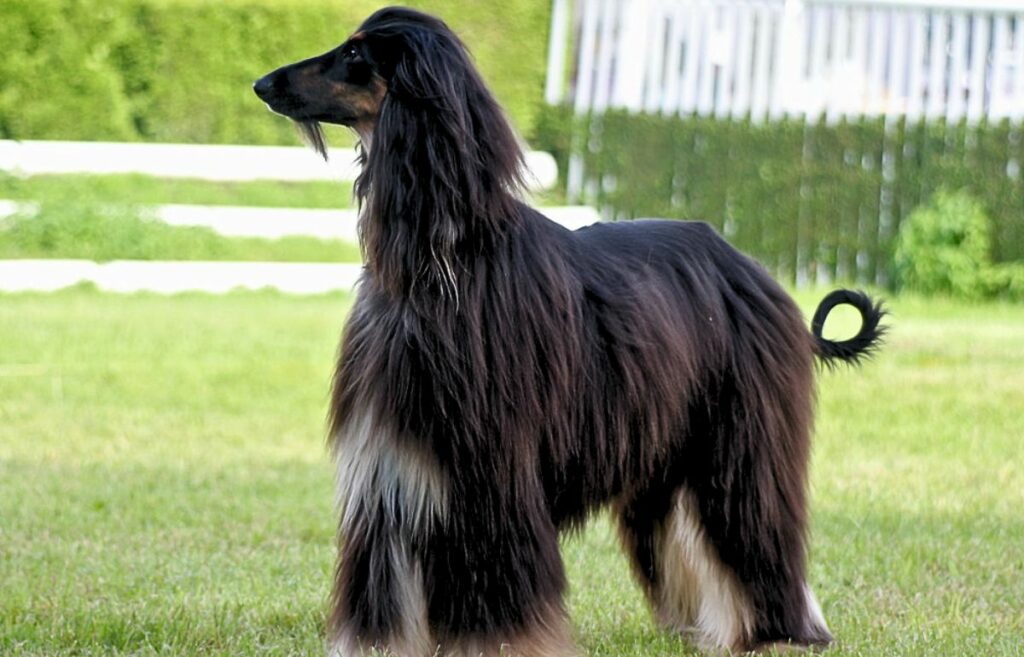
[{"x": 263, "y": 86}]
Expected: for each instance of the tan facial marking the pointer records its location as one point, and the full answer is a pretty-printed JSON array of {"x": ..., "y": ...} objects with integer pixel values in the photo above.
[
  {"x": 363, "y": 101},
  {"x": 370, "y": 104}
]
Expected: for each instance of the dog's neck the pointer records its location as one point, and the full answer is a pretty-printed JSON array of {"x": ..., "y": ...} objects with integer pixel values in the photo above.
[
  {"x": 365, "y": 134},
  {"x": 424, "y": 252},
  {"x": 438, "y": 196}
]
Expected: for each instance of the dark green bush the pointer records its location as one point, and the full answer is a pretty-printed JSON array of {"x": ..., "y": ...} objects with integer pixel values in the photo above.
[
  {"x": 944, "y": 247},
  {"x": 182, "y": 70}
]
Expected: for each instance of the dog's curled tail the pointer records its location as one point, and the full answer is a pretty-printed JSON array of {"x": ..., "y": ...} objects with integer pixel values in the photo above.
[{"x": 860, "y": 346}]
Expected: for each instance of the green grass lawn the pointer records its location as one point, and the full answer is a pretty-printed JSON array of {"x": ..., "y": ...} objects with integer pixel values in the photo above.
[
  {"x": 90, "y": 230},
  {"x": 164, "y": 487}
]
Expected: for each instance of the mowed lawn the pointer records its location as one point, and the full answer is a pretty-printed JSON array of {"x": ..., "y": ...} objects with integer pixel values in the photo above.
[{"x": 164, "y": 487}]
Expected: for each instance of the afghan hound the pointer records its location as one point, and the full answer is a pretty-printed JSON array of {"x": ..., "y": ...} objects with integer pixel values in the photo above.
[{"x": 500, "y": 378}]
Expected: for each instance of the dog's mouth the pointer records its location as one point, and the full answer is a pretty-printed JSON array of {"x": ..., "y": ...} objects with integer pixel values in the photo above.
[
  {"x": 308, "y": 122},
  {"x": 299, "y": 113},
  {"x": 287, "y": 107}
]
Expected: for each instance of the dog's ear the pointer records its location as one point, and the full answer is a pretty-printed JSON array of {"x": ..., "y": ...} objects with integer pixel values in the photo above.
[
  {"x": 445, "y": 165},
  {"x": 431, "y": 72}
]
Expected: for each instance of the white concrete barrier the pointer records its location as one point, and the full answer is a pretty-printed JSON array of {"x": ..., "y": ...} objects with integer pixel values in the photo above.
[
  {"x": 206, "y": 162},
  {"x": 45, "y": 275},
  {"x": 7, "y": 208},
  {"x": 270, "y": 223}
]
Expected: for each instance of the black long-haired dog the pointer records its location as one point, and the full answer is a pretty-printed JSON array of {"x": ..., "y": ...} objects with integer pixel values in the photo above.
[{"x": 501, "y": 377}]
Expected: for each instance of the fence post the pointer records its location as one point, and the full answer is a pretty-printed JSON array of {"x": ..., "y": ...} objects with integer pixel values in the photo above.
[
  {"x": 632, "y": 49},
  {"x": 789, "y": 49},
  {"x": 979, "y": 67},
  {"x": 554, "y": 86}
]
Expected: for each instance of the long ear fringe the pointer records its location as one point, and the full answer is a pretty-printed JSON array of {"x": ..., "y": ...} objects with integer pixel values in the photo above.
[
  {"x": 458, "y": 114},
  {"x": 313, "y": 134},
  {"x": 445, "y": 169}
]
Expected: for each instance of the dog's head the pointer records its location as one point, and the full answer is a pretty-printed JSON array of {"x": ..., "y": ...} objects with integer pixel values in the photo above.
[
  {"x": 398, "y": 55},
  {"x": 442, "y": 165}
]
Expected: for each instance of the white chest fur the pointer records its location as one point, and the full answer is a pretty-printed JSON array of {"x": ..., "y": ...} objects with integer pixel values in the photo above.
[{"x": 379, "y": 473}]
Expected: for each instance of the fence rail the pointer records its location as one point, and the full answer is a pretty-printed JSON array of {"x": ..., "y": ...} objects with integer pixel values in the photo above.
[
  {"x": 204, "y": 161},
  {"x": 768, "y": 59}
]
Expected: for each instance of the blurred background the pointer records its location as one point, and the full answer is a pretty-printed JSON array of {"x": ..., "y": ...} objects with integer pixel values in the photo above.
[
  {"x": 807, "y": 131},
  {"x": 176, "y": 268}
]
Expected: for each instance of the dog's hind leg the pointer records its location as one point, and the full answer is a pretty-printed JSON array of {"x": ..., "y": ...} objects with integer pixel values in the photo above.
[
  {"x": 690, "y": 591},
  {"x": 738, "y": 526},
  {"x": 718, "y": 542}
]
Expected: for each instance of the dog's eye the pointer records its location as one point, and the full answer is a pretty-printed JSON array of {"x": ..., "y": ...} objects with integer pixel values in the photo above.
[{"x": 350, "y": 52}]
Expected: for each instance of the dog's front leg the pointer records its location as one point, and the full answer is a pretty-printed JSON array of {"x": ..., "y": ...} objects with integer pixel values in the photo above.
[
  {"x": 494, "y": 580},
  {"x": 392, "y": 495},
  {"x": 439, "y": 559},
  {"x": 379, "y": 601},
  {"x": 471, "y": 588}
]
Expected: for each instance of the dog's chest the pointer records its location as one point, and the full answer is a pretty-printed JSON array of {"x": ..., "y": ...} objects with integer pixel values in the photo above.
[{"x": 382, "y": 478}]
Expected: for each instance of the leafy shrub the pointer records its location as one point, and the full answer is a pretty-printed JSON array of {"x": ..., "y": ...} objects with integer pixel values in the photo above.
[
  {"x": 1006, "y": 280},
  {"x": 945, "y": 247}
]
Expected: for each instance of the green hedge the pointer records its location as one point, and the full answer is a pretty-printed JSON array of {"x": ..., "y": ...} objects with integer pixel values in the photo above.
[
  {"x": 814, "y": 202},
  {"x": 182, "y": 70}
]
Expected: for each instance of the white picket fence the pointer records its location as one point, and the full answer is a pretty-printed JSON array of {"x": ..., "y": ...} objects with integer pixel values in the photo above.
[{"x": 768, "y": 59}]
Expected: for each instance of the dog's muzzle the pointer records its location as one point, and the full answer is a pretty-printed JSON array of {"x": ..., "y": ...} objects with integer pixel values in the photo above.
[{"x": 264, "y": 87}]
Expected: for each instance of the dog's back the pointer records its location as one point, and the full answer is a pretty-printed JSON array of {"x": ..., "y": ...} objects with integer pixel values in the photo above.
[{"x": 675, "y": 325}]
